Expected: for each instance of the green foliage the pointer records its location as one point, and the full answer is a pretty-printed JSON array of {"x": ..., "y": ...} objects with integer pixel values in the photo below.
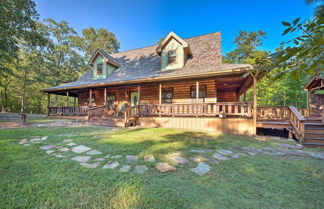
[
  {"x": 306, "y": 51},
  {"x": 93, "y": 39},
  {"x": 51, "y": 57}
]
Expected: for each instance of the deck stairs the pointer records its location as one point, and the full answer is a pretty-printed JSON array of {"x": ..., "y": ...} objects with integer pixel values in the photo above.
[{"x": 314, "y": 133}]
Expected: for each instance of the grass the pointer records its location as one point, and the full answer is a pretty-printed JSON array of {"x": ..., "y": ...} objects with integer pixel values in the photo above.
[{"x": 32, "y": 179}]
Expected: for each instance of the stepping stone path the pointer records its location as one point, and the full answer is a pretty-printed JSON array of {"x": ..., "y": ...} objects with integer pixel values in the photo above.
[
  {"x": 90, "y": 165},
  {"x": 71, "y": 144},
  {"x": 111, "y": 165},
  {"x": 131, "y": 158},
  {"x": 94, "y": 152},
  {"x": 64, "y": 149},
  {"x": 197, "y": 151},
  {"x": 225, "y": 152},
  {"x": 289, "y": 146},
  {"x": 201, "y": 169},
  {"x": 100, "y": 159},
  {"x": 149, "y": 158},
  {"x": 116, "y": 156},
  {"x": 125, "y": 168},
  {"x": 177, "y": 159},
  {"x": 47, "y": 147},
  {"x": 237, "y": 155},
  {"x": 201, "y": 159},
  {"x": 80, "y": 149},
  {"x": 140, "y": 169},
  {"x": 164, "y": 167},
  {"x": 23, "y": 141},
  {"x": 81, "y": 159},
  {"x": 220, "y": 157}
]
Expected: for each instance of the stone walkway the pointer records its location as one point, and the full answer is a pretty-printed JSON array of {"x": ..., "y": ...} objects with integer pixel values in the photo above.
[{"x": 204, "y": 160}]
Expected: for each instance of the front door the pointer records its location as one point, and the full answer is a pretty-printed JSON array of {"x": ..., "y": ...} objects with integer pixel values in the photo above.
[{"x": 134, "y": 98}]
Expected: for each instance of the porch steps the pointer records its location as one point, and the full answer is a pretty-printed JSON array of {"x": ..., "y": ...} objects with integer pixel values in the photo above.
[{"x": 314, "y": 133}]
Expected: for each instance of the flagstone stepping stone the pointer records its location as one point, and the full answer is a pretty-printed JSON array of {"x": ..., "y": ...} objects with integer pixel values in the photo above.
[
  {"x": 64, "y": 149},
  {"x": 100, "y": 159},
  {"x": 290, "y": 146},
  {"x": 68, "y": 140},
  {"x": 149, "y": 158},
  {"x": 50, "y": 151},
  {"x": 317, "y": 155},
  {"x": 251, "y": 150},
  {"x": 269, "y": 149},
  {"x": 71, "y": 144},
  {"x": 35, "y": 140},
  {"x": 47, "y": 147},
  {"x": 116, "y": 156},
  {"x": 90, "y": 165},
  {"x": 111, "y": 165},
  {"x": 107, "y": 156},
  {"x": 26, "y": 145},
  {"x": 81, "y": 159},
  {"x": 198, "y": 151},
  {"x": 131, "y": 158},
  {"x": 219, "y": 156},
  {"x": 23, "y": 141},
  {"x": 201, "y": 169},
  {"x": 237, "y": 155},
  {"x": 164, "y": 167},
  {"x": 225, "y": 152},
  {"x": 277, "y": 153},
  {"x": 44, "y": 138},
  {"x": 67, "y": 134},
  {"x": 177, "y": 159},
  {"x": 140, "y": 169},
  {"x": 198, "y": 159},
  {"x": 125, "y": 168},
  {"x": 292, "y": 152},
  {"x": 94, "y": 152},
  {"x": 80, "y": 149},
  {"x": 58, "y": 155}
]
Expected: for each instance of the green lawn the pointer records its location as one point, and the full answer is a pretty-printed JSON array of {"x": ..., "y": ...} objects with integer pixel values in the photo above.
[{"x": 32, "y": 179}]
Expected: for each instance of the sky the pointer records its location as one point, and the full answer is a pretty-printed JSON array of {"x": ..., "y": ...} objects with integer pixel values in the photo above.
[{"x": 141, "y": 23}]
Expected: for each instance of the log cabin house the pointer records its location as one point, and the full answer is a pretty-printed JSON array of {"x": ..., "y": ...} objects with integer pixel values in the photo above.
[{"x": 180, "y": 83}]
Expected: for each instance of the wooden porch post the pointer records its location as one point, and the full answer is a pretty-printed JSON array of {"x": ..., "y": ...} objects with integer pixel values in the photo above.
[
  {"x": 90, "y": 97},
  {"x": 139, "y": 94},
  {"x": 74, "y": 101},
  {"x": 160, "y": 93},
  {"x": 197, "y": 92},
  {"x": 105, "y": 96},
  {"x": 255, "y": 108},
  {"x": 48, "y": 102},
  {"x": 67, "y": 98}
]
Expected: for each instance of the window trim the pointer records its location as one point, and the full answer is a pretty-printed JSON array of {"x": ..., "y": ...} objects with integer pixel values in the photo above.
[
  {"x": 101, "y": 63},
  {"x": 193, "y": 88},
  {"x": 175, "y": 57}
]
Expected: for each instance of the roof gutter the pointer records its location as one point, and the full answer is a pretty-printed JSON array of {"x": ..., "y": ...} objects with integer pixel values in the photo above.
[{"x": 151, "y": 80}]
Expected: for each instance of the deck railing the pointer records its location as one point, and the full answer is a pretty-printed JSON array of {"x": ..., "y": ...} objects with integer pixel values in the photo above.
[
  {"x": 96, "y": 111},
  {"x": 298, "y": 122},
  {"x": 243, "y": 109},
  {"x": 274, "y": 113},
  {"x": 68, "y": 110}
]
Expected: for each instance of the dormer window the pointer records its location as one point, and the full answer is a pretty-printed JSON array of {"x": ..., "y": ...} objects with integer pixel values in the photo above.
[
  {"x": 99, "y": 68},
  {"x": 172, "y": 57}
]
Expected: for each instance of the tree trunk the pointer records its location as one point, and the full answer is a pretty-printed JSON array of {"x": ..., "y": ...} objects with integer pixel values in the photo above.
[{"x": 255, "y": 80}]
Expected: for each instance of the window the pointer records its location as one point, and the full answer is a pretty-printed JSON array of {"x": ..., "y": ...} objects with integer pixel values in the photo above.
[
  {"x": 99, "y": 69},
  {"x": 202, "y": 91},
  {"x": 167, "y": 96},
  {"x": 172, "y": 57},
  {"x": 111, "y": 97}
]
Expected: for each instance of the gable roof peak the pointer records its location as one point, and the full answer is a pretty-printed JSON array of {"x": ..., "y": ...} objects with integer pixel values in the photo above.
[
  {"x": 172, "y": 34},
  {"x": 105, "y": 56}
]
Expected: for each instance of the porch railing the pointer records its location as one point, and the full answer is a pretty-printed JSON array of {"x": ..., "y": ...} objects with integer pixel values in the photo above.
[
  {"x": 280, "y": 113},
  {"x": 68, "y": 110},
  {"x": 96, "y": 111},
  {"x": 297, "y": 121},
  {"x": 243, "y": 109}
]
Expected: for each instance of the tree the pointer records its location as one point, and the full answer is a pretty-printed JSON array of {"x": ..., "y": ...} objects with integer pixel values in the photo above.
[
  {"x": 17, "y": 22},
  {"x": 305, "y": 53},
  {"x": 93, "y": 39}
]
